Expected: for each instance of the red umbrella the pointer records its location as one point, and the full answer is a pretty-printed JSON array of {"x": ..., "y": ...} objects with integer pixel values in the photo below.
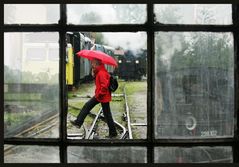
[{"x": 93, "y": 54}]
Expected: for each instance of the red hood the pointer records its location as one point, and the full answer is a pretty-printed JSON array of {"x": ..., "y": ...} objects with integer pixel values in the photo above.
[{"x": 99, "y": 68}]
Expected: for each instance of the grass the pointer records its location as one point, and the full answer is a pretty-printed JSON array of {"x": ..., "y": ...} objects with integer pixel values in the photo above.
[
  {"x": 135, "y": 134},
  {"x": 119, "y": 109},
  {"x": 117, "y": 103},
  {"x": 82, "y": 89},
  {"x": 16, "y": 119},
  {"x": 132, "y": 87},
  {"x": 74, "y": 112}
]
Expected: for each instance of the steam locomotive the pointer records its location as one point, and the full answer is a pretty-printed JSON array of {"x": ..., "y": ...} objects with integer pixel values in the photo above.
[{"x": 132, "y": 65}]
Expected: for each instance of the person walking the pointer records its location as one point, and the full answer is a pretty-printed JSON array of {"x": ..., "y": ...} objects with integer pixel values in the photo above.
[{"x": 102, "y": 95}]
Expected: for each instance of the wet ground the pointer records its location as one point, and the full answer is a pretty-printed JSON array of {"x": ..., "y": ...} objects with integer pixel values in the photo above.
[
  {"x": 137, "y": 101},
  {"x": 32, "y": 154},
  {"x": 77, "y": 100},
  {"x": 138, "y": 114}
]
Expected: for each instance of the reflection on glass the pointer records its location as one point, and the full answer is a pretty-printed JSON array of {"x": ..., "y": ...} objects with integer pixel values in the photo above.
[
  {"x": 31, "y": 13},
  {"x": 31, "y": 85},
  {"x": 130, "y": 51},
  {"x": 194, "y": 85},
  {"x": 107, "y": 155},
  {"x": 31, "y": 154},
  {"x": 193, "y": 13},
  {"x": 106, "y": 14},
  {"x": 193, "y": 155}
]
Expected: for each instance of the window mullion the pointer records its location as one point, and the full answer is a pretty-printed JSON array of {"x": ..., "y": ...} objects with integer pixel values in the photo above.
[
  {"x": 235, "y": 19},
  {"x": 31, "y": 28},
  {"x": 63, "y": 92},
  {"x": 2, "y": 80},
  {"x": 150, "y": 74}
]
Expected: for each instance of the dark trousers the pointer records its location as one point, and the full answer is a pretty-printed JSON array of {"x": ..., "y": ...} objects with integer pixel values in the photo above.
[{"x": 106, "y": 111}]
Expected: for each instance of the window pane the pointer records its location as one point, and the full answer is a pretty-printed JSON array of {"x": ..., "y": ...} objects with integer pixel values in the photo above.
[
  {"x": 106, "y": 14},
  {"x": 193, "y": 155},
  {"x": 193, "y": 13},
  {"x": 107, "y": 155},
  {"x": 194, "y": 85},
  {"x": 31, "y": 154},
  {"x": 31, "y": 13},
  {"x": 129, "y": 49},
  {"x": 31, "y": 85}
]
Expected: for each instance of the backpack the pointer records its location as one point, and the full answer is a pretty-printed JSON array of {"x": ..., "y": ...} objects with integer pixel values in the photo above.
[{"x": 113, "y": 83}]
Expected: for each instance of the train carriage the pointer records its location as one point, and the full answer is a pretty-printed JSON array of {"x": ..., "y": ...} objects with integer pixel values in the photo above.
[
  {"x": 110, "y": 51},
  {"x": 81, "y": 67}
]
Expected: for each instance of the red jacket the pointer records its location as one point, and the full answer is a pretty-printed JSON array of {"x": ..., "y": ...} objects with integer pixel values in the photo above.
[{"x": 102, "y": 80}]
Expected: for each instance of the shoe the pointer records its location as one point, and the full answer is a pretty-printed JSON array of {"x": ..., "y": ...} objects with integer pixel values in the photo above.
[{"x": 75, "y": 124}]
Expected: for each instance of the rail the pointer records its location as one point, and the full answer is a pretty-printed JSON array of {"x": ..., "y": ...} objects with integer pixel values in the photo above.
[{"x": 127, "y": 115}]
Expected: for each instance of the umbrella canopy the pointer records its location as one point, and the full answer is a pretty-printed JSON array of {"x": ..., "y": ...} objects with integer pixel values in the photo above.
[{"x": 93, "y": 54}]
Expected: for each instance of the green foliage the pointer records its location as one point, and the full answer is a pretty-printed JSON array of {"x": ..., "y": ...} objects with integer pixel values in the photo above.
[
  {"x": 200, "y": 50},
  {"x": 176, "y": 50},
  {"x": 99, "y": 39},
  {"x": 11, "y": 75},
  {"x": 17, "y": 76},
  {"x": 51, "y": 93},
  {"x": 16, "y": 119}
]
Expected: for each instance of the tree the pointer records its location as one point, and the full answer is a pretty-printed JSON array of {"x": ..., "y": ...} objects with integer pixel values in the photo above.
[
  {"x": 169, "y": 14},
  {"x": 89, "y": 18},
  {"x": 199, "y": 49},
  {"x": 131, "y": 13}
]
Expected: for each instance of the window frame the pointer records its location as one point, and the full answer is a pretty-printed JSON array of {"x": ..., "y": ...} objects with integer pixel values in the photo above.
[{"x": 150, "y": 28}]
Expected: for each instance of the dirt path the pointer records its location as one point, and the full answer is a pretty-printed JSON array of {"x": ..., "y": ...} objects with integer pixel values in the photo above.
[{"x": 138, "y": 113}]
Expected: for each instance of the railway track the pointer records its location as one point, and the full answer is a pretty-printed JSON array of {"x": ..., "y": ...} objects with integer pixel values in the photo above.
[
  {"x": 91, "y": 133},
  {"x": 36, "y": 130},
  {"x": 34, "y": 123},
  {"x": 36, "y": 127},
  {"x": 41, "y": 128}
]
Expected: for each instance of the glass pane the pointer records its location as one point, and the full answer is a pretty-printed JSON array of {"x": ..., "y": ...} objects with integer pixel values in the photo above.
[
  {"x": 193, "y": 155},
  {"x": 31, "y": 154},
  {"x": 31, "y": 85},
  {"x": 129, "y": 50},
  {"x": 31, "y": 13},
  {"x": 107, "y": 155},
  {"x": 193, "y": 13},
  {"x": 194, "y": 85},
  {"x": 106, "y": 14}
]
